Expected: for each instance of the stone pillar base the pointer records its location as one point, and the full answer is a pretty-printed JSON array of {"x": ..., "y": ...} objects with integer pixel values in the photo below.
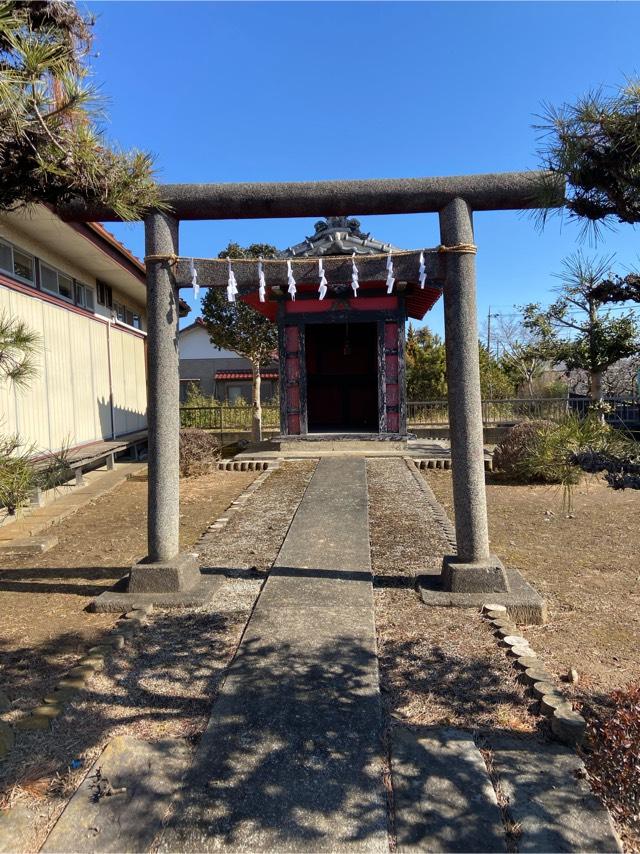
[
  {"x": 482, "y": 577},
  {"x": 172, "y": 576}
]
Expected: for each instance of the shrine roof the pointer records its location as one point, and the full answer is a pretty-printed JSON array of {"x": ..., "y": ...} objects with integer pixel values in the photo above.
[{"x": 337, "y": 235}]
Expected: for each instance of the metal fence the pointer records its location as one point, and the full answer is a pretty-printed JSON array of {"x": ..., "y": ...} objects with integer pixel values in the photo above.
[
  {"x": 227, "y": 418},
  {"x": 420, "y": 413},
  {"x": 511, "y": 410}
]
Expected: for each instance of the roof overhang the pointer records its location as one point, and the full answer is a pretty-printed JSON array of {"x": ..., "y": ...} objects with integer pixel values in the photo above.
[{"x": 86, "y": 245}]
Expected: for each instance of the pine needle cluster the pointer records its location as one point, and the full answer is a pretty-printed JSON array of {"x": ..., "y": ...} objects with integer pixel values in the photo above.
[{"x": 52, "y": 145}]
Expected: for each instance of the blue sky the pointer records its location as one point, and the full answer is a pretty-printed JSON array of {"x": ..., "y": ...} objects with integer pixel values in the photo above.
[{"x": 311, "y": 91}]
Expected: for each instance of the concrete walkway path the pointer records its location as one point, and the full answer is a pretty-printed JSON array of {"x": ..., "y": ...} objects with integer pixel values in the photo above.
[{"x": 292, "y": 757}]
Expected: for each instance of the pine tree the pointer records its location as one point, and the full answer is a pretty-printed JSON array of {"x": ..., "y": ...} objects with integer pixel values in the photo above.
[{"x": 52, "y": 147}]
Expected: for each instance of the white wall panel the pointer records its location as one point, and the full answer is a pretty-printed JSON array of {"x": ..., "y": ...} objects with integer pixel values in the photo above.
[{"x": 69, "y": 400}]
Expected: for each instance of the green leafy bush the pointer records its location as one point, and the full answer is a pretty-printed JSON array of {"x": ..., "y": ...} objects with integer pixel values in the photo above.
[
  {"x": 199, "y": 450},
  {"x": 613, "y": 757},
  {"x": 17, "y": 476}
]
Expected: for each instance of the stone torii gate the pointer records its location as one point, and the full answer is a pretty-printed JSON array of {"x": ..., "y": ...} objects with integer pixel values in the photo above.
[{"x": 168, "y": 577}]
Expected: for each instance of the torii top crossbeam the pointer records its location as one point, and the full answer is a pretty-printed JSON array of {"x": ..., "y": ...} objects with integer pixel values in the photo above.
[{"x": 494, "y": 191}]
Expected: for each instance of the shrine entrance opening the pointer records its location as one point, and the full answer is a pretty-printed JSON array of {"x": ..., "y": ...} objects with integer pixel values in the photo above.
[{"x": 342, "y": 377}]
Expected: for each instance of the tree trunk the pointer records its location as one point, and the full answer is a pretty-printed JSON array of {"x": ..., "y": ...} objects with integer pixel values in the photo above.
[
  {"x": 596, "y": 386},
  {"x": 596, "y": 391},
  {"x": 256, "y": 406}
]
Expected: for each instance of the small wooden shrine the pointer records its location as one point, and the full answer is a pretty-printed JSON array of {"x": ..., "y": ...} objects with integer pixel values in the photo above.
[{"x": 341, "y": 341}]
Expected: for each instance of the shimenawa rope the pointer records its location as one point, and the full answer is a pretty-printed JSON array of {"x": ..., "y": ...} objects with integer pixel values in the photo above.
[{"x": 460, "y": 248}]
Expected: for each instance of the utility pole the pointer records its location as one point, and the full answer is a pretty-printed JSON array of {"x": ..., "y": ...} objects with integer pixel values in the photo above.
[{"x": 489, "y": 331}]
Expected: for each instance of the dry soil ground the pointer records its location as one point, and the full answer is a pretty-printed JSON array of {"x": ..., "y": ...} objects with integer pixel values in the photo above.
[
  {"x": 163, "y": 683},
  {"x": 586, "y": 566},
  {"x": 438, "y": 665},
  {"x": 42, "y": 599}
]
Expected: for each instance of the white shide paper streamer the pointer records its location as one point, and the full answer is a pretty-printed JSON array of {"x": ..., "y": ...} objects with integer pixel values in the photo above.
[
  {"x": 422, "y": 272},
  {"x": 232, "y": 285},
  {"x": 322, "y": 290},
  {"x": 291, "y": 281},
  {"x": 354, "y": 275},
  {"x": 390, "y": 277},
  {"x": 194, "y": 279},
  {"x": 262, "y": 285}
]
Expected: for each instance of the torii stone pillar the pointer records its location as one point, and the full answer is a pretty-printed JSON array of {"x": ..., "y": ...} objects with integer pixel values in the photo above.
[
  {"x": 164, "y": 570},
  {"x": 473, "y": 570}
]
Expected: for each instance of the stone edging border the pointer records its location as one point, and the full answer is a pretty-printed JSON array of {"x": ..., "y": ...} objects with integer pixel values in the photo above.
[
  {"x": 567, "y": 725},
  {"x": 242, "y": 499},
  {"x": 443, "y": 463},
  {"x": 437, "y": 510},
  {"x": 75, "y": 679}
]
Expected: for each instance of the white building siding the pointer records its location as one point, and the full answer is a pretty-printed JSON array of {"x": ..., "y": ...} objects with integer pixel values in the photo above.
[
  {"x": 68, "y": 401},
  {"x": 196, "y": 344}
]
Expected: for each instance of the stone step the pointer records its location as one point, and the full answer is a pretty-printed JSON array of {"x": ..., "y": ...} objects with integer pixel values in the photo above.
[
  {"x": 446, "y": 800},
  {"x": 443, "y": 796},
  {"x": 141, "y": 777},
  {"x": 549, "y": 797}
]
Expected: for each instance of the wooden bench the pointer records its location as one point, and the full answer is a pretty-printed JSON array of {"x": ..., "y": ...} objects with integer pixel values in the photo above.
[{"x": 90, "y": 456}]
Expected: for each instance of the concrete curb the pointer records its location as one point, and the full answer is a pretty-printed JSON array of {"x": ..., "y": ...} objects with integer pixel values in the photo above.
[
  {"x": 567, "y": 725},
  {"x": 39, "y": 519}
]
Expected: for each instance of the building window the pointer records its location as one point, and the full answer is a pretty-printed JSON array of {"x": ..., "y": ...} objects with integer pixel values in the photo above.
[
  {"x": 239, "y": 392},
  {"x": 56, "y": 283},
  {"x": 84, "y": 297},
  {"x": 104, "y": 295},
  {"x": 125, "y": 314},
  {"x": 17, "y": 263}
]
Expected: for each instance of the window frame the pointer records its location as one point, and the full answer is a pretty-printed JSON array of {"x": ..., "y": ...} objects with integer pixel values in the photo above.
[
  {"x": 71, "y": 299},
  {"x": 86, "y": 289},
  {"x": 32, "y": 282}
]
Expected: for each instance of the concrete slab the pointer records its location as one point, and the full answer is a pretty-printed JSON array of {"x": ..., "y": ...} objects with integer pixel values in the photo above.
[
  {"x": 141, "y": 776},
  {"x": 119, "y": 600},
  {"x": 523, "y": 603},
  {"x": 443, "y": 796},
  {"x": 292, "y": 757},
  {"x": 550, "y": 798},
  {"x": 28, "y": 545}
]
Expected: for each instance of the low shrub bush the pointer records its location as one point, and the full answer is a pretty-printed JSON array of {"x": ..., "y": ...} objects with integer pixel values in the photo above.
[
  {"x": 199, "y": 450},
  {"x": 558, "y": 452},
  {"x": 514, "y": 453},
  {"x": 613, "y": 757}
]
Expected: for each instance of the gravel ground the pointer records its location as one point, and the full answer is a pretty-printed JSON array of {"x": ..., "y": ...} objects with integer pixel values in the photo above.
[
  {"x": 437, "y": 665},
  {"x": 163, "y": 684}
]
